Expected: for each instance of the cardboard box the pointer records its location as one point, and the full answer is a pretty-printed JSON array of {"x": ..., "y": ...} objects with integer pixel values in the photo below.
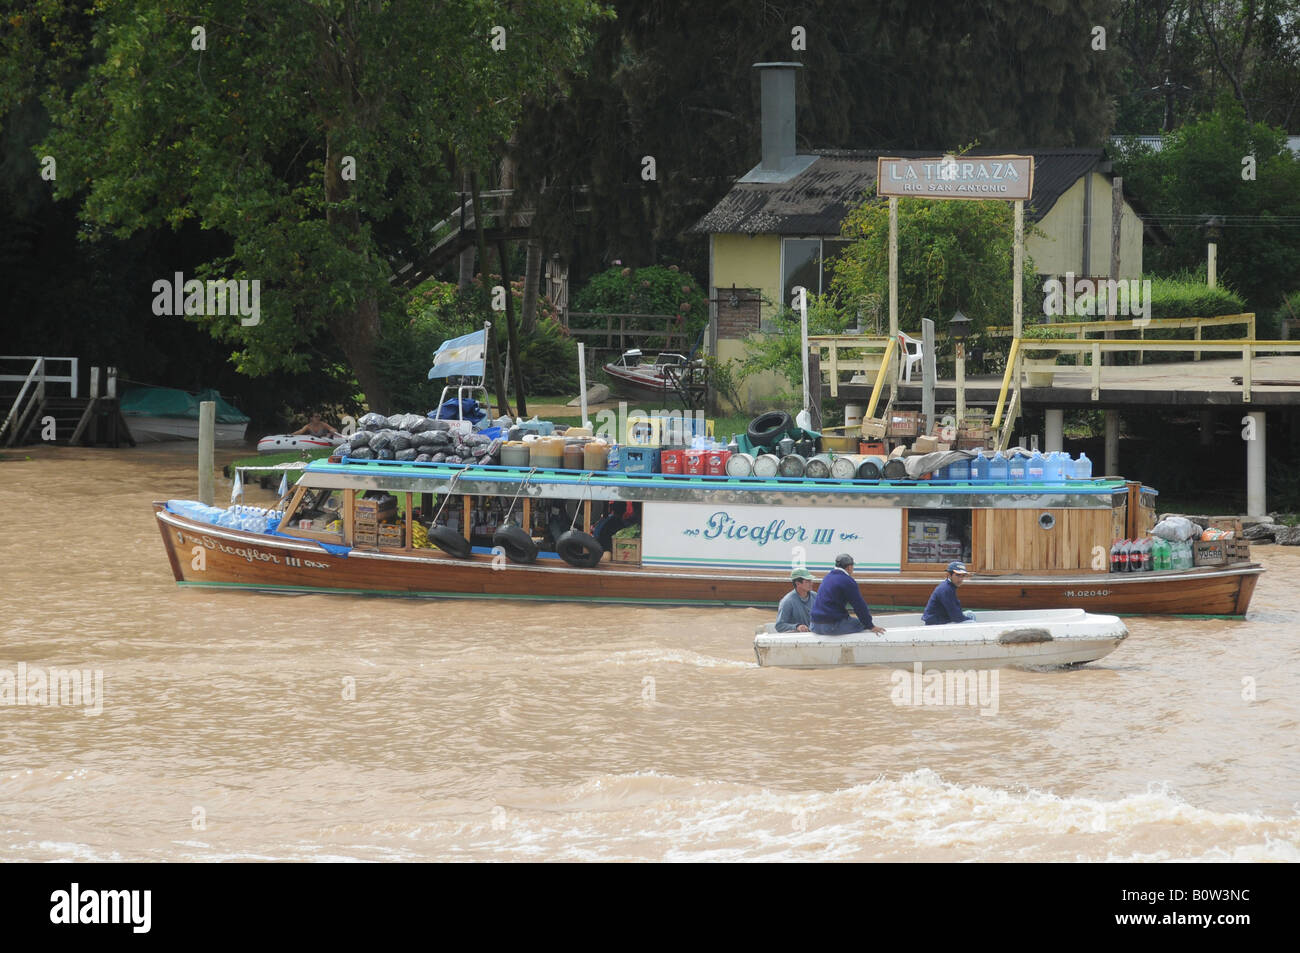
[
  {"x": 873, "y": 428},
  {"x": 926, "y": 444},
  {"x": 1227, "y": 523},
  {"x": 950, "y": 550},
  {"x": 905, "y": 423},
  {"x": 1210, "y": 552},
  {"x": 922, "y": 552},
  {"x": 927, "y": 531},
  {"x": 627, "y": 551}
]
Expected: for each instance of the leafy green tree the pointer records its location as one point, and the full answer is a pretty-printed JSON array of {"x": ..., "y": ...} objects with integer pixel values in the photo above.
[
  {"x": 951, "y": 255},
  {"x": 314, "y": 136},
  {"x": 1199, "y": 176}
]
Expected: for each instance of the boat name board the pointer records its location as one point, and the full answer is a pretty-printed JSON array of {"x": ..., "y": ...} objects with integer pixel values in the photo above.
[
  {"x": 708, "y": 535},
  {"x": 250, "y": 554}
]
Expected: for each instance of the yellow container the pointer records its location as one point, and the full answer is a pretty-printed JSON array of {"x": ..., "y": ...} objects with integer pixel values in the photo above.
[
  {"x": 546, "y": 452},
  {"x": 596, "y": 455}
]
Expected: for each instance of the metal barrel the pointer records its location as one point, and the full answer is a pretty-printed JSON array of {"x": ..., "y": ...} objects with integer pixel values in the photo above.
[
  {"x": 870, "y": 468},
  {"x": 766, "y": 465},
  {"x": 894, "y": 470},
  {"x": 792, "y": 465},
  {"x": 819, "y": 467},
  {"x": 740, "y": 465},
  {"x": 846, "y": 467}
]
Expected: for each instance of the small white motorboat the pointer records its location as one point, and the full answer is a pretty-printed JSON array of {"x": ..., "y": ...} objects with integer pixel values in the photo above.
[
  {"x": 286, "y": 442},
  {"x": 1038, "y": 638}
]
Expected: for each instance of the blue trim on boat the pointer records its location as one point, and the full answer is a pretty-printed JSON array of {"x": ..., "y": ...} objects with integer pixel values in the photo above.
[{"x": 498, "y": 474}]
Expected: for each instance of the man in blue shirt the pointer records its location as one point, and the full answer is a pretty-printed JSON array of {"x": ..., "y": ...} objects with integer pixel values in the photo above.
[
  {"x": 793, "y": 614},
  {"x": 944, "y": 607},
  {"x": 830, "y": 611}
]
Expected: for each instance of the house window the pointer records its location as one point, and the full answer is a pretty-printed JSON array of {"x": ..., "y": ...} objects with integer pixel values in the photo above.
[{"x": 805, "y": 261}]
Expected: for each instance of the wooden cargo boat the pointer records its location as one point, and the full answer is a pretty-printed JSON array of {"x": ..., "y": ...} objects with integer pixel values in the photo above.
[{"x": 705, "y": 540}]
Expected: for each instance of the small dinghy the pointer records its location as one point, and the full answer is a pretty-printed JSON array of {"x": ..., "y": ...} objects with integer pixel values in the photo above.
[
  {"x": 1040, "y": 638},
  {"x": 283, "y": 442}
]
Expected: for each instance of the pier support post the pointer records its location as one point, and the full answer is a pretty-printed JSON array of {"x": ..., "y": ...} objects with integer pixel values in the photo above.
[
  {"x": 1112, "y": 443},
  {"x": 1054, "y": 435},
  {"x": 1255, "y": 498},
  {"x": 207, "y": 437}
]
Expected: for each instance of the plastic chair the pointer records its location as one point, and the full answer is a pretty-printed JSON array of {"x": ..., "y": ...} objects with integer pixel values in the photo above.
[{"x": 911, "y": 353}]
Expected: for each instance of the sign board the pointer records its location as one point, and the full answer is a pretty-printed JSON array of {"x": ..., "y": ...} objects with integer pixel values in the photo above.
[
  {"x": 770, "y": 537},
  {"x": 956, "y": 177}
]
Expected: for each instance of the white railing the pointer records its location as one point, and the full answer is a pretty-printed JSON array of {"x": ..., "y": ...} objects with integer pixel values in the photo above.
[{"x": 35, "y": 381}]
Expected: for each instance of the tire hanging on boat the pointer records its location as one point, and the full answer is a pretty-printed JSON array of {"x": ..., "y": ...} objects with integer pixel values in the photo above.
[
  {"x": 579, "y": 549},
  {"x": 450, "y": 542},
  {"x": 518, "y": 545}
]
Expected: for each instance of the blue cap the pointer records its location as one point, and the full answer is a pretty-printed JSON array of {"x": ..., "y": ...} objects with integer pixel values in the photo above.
[{"x": 958, "y": 567}]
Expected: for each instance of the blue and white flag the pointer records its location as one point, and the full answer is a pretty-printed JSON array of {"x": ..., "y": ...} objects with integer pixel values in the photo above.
[
  {"x": 236, "y": 488},
  {"x": 461, "y": 357},
  {"x": 284, "y": 486}
]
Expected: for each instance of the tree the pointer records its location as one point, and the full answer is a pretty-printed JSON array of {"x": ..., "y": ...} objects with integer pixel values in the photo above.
[
  {"x": 314, "y": 137},
  {"x": 1201, "y": 174},
  {"x": 951, "y": 255}
]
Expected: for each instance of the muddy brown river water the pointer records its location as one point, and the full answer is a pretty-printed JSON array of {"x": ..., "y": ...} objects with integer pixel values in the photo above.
[{"x": 235, "y": 725}]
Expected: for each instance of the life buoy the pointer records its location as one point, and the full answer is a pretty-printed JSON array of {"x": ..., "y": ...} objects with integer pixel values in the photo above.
[
  {"x": 518, "y": 545},
  {"x": 766, "y": 428},
  {"x": 579, "y": 549},
  {"x": 450, "y": 542}
]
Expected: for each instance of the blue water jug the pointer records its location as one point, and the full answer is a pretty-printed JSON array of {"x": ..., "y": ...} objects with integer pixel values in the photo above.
[
  {"x": 1037, "y": 468},
  {"x": 1083, "y": 468},
  {"x": 980, "y": 468},
  {"x": 999, "y": 470},
  {"x": 959, "y": 470},
  {"x": 612, "y": 461},
  {"x": 1018, "y": 468}
]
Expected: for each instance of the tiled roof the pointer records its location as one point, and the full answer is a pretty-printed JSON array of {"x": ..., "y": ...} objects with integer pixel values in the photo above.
[{"x": 817, "y": 200}]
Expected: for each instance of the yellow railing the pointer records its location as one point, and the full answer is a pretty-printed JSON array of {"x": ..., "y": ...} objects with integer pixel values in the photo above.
[
  {"x": 1012, "y": 357},
  {"x": 1079, "y": 329},
  {"x": 885, "y": 364}
]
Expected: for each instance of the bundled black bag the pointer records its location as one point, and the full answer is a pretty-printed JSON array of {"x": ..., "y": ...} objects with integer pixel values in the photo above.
[
  {"x": 360, "y": 439},
  {"x": 406, "y": 455},
  {"x": 401, "y": 441},
  {"x": 373, "y": 422},
  {"x": 361, "y": 453},
  {"x": 384, "y": 454}
]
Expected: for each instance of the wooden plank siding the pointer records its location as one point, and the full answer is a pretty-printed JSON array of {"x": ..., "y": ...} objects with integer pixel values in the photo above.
[{"x": 1013, "y": 540}]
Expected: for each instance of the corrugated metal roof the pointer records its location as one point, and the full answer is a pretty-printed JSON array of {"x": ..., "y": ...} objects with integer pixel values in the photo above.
[{"x": 817, "y": 201}]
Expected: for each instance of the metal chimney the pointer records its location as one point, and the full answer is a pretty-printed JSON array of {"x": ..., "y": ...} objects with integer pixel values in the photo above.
[{"x": 778, "y": 111}]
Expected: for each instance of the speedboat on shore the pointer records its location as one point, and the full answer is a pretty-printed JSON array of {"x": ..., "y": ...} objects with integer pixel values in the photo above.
[
  {"x": 634, "y": 376},
  {"x": 167, "y": 413},
  {"x": 1040, "y": 638}
]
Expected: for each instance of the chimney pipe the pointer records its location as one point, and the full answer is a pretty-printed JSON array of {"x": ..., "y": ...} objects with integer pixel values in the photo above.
[{"x": 778, "y": 114}]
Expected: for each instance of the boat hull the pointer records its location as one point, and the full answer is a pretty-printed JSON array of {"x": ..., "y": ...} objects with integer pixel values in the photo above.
[
  {"x": 631, "y": 384},
  {"x": 159, "y": 429},
  {"x": 202, "y": 554},
  {"x": 288, "y": 442},
  {"x": 1035, "y": 639}
]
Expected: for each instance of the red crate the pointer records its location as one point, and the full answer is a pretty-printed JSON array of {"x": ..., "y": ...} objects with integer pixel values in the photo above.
[
  {"x": 671, "y": 461},
  {"x": 715, "y": 462},
  {"x": 694, "y": 462}
]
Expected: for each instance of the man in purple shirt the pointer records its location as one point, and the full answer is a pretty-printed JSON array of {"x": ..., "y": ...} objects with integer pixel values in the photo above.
[
  {"x": 944, "y": 606},
  {"x": 830, "y": 611}
]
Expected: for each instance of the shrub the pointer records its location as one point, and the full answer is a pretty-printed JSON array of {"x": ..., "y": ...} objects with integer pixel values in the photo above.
[{"x": 665, "y": 290}]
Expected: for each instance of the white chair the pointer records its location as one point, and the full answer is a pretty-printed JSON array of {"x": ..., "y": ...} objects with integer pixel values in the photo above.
[{"x": 911, "y": 354}]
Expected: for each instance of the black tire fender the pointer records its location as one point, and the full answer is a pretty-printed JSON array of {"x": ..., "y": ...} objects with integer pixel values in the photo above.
[
  {"x": 765, "y": 428},
  {"x": 579, "y": 549},
  {"x": 450, "y": 542},
  {"x": 518, "y": 545}
]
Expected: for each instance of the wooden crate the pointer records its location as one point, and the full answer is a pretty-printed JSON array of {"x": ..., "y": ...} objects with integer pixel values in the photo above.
[
  {"x": 364, "y": 537},
  {"x": 1239, "y": 550},
  {"x": 1229, "y": 523},
  {"x": 627, "y": 551},
  {"x": 1210, "y": 552},
  {"x": 373, "y": 511},
  {"x": 391, "y": 536},
  {"x": 873, "y": 428}
]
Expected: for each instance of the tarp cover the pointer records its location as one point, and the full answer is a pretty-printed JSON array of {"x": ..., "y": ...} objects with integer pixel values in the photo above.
[{"x": 169, "y": 402}]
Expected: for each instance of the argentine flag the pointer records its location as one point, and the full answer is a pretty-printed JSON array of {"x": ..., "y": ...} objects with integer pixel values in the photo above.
[{"x": 460, "y": 357}]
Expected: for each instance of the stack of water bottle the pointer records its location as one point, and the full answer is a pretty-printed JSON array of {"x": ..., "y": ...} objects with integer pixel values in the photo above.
[
  {"x": 254, "y": 519},
  {"x": 1012, "y": 467}
]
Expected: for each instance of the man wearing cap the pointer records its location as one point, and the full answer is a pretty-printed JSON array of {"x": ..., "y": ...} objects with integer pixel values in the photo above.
[
  {"x": 944, "y": 607},
  {"x": 839, "y": 591},
  {"x": 795, "y": 611}
]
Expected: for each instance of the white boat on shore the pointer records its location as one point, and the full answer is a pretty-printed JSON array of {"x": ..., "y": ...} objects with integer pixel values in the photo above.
[{"x": 1038, "y": 638}]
